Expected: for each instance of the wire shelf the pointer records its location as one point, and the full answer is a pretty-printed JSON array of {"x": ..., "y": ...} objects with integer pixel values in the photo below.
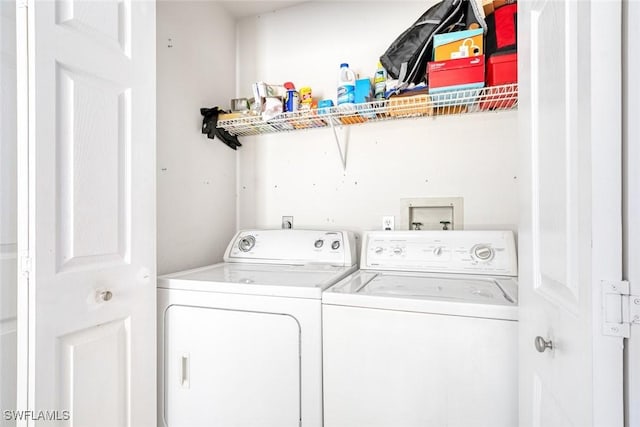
[{"x": 420, "y": 105}]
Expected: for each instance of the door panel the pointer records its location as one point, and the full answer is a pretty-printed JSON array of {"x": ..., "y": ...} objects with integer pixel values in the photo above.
[
  {"x": 569, "y": 238},
  {"x": 546, "y": 409},
  {"x": 108, "y": 22},
  {"x": 91, "y": 138},
  {"x": 107, "y": 346},
  {"x": 93, "y": 151},
  {"x": 553, "y": 151}
]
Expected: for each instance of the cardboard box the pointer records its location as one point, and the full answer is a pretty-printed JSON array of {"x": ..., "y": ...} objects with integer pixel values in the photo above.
[
  {"x": 459, "y": 44},
  {"x": 363, "y": 91},
  {"x": 487, "y": 5},
  {"x": 456, "y": 74},
  {"x": 500, "y": 3},
  {"x": 412, "y": 103}
]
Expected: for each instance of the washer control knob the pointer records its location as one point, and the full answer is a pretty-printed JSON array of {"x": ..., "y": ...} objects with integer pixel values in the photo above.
[
  {"x": 483, "y": 252},
  {"x": 318, "y": 244},
  {"x": 379, "y": 250},
  {"x": 247, "y": 243},
  {"x": 397, "y": 251},
  {"x": 437, "y": 251},
  {"x": 335, "y": 244}
]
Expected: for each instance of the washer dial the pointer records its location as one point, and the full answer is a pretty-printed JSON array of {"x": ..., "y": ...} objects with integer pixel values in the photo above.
[
  {"x": 335, "y": 244},
  {"x": 318, "y": 243},
  {"x": 247, "y": 243},
  {"x": 482, "y": 252}
]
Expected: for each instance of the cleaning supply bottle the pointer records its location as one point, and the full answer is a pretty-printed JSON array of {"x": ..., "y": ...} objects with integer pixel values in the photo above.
[
  {"x": 346, "y": 85},
  {"x": 380, "y": 82}
]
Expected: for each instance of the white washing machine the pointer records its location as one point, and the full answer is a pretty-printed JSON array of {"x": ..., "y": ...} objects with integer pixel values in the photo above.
[
  {"x": 425, "y": 333},
  {"x": 240, "y": 342}
]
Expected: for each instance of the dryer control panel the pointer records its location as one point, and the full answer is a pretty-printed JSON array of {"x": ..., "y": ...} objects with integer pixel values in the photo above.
[
  {"x": 474, "y": 252},
  {"x": 293, "y": 247}
]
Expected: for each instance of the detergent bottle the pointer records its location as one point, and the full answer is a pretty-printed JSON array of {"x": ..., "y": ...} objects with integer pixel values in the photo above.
[{"x": 346, "y": 85}]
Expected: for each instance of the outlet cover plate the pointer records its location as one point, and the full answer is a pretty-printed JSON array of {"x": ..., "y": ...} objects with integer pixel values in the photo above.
[
  {"x": 287, "y": 222},
  {"x": 388, "y": 223}
]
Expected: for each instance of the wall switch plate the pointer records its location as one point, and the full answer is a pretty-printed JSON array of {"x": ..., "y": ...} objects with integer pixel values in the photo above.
[
  {"x": 388, "y": 223},
  {"x": 287, "y": 222}
]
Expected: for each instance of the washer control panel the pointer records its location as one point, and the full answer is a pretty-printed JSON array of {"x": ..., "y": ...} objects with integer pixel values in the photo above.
[
  {"x": 293, "y": 247},
  {"x": 477, "y": 252}
]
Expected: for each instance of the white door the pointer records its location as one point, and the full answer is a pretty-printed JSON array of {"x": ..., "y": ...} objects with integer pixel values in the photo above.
[
  {"x": 570, "y": 235},
  {"x": 91, "y": 210},
  {"x": 8, "y": 203}
]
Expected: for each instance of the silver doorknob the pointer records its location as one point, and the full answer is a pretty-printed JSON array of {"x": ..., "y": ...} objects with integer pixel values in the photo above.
[
  {"x": 106, "y": 295},
  {"x": 542, "y": 345}
]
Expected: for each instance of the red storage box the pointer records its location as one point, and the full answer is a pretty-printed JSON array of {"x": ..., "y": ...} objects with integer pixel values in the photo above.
[
  {"x": 456, "y": 74},
  {"x": 502, "y": 69}
]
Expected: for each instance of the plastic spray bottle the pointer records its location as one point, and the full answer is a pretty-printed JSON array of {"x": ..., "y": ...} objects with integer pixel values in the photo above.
[{"x": 380, "y": 81}]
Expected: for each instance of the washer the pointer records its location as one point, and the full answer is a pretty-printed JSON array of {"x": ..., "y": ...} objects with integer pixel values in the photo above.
[
  {"x": 240, "y": 341},
  {"x": 425, "y": 333}
]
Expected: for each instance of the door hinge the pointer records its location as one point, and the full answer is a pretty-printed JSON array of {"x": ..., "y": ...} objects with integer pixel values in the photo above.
[
  {"x": 25, "y": 264},
  {"x": 620, "y": 309}
]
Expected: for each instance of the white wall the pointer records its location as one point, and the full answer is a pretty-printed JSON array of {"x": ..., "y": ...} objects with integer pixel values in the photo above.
[
  {"x": 300, "y": 173},
  {"x": 196, "y": 181},
  {"x": 8, "y": 204}
]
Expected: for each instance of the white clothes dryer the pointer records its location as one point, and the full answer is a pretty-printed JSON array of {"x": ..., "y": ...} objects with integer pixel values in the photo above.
[
  {"x": 240, "y": 342},
  {"x": 425, "y": 333}
]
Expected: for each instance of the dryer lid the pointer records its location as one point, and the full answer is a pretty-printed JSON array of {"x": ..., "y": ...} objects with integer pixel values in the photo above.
[{"x": 305, "y": 281}]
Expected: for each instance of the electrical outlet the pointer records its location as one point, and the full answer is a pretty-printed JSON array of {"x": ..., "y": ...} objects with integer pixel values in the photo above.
[
  {"x": 287, "y": 222},
  {"x": 388, "y": 223}
]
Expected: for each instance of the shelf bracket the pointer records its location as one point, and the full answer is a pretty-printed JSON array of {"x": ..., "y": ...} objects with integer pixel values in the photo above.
[{"x": 341, "y": 151}]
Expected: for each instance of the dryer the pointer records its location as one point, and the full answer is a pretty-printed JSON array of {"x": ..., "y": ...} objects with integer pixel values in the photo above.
[
  {"x": 240, "y": 341},
  {"x": 425, "y": 333}
]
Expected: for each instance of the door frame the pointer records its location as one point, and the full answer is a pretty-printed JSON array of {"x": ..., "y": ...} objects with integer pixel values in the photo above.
[
  {"x": 24, "y": 168},
  {"x": 606, "y": 101},
  {"x": 631, "y": 201}
]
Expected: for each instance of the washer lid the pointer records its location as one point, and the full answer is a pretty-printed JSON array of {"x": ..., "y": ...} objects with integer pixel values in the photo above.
[
  {"x": 448, "y": 294},
  {"x": 481, "y": 290},
  {"x": 304, "y": 281}
]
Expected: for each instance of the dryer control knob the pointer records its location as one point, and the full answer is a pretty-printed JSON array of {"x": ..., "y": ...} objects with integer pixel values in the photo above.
[
  {"x": 397, "y": 251},
  {"x": 247, "y": 243},
  {"x": 437, "y": 251},
  {"x": 378, "y": 250},
  {"x": 335, "y": 244},
  {"x": 483, "y": 252},
  {"x": 318, "y": 244}
]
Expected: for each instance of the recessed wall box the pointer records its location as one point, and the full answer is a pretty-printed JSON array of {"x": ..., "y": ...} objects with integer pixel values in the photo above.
[{"x": 432, "y": 213}]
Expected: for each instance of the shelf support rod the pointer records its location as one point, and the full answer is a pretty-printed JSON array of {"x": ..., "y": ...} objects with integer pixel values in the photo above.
[{"x": 343, "y": 155}]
